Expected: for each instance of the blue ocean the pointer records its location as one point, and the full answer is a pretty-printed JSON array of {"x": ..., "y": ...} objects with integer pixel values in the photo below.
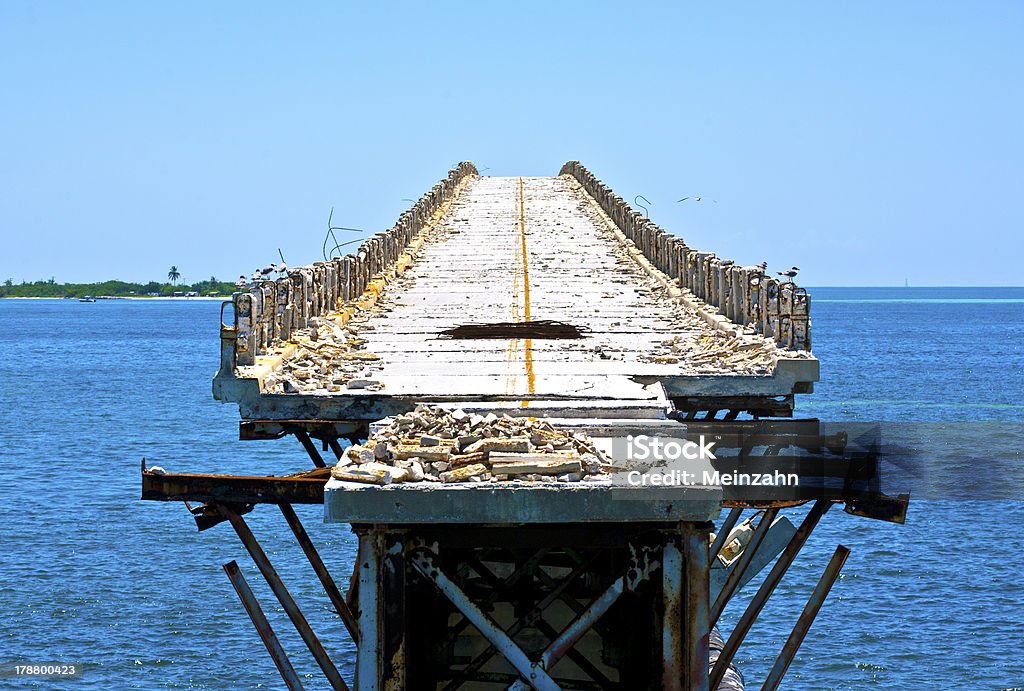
[{"x": 90, "y": 574}]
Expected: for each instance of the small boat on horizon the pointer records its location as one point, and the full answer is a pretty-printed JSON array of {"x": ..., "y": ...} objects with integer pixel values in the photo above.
[{"x": 87, "y": 298}]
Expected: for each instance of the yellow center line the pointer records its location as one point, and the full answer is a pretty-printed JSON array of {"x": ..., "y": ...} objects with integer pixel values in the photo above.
[
  {"x": 526, "y": 263},
  {"x": 530, "y": 379}
]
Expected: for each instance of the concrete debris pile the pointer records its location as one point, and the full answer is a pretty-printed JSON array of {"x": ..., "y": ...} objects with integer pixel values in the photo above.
[
  {"x": 717, "y": 352},
  {"x": 432, "y": 444},
  {"x": 327, "y": 359}
]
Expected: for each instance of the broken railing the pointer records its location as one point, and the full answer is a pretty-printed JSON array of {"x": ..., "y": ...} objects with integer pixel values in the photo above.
[
  {"x": 743, "y": 294},
  {"x": 267, "y": 313}
]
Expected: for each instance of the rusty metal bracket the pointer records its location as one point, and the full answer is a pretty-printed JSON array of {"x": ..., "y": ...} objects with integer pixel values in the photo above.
[
  {"x": 882, "y": 508},
  {"x": 207, "y": 516},
  {"x": 300, "y": 488}
]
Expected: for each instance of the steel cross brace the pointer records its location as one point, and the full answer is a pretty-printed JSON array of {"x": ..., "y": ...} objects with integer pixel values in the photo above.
[
  {"x": 525, "y": 568},
  {"x": 534, "y": 617},
  {"x": 536, "y": 672}
]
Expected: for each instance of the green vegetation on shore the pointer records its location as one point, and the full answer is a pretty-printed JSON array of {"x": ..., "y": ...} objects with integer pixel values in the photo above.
[{"x": 52, "y": 289}]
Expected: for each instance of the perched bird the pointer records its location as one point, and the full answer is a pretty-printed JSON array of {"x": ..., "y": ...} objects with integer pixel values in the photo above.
[
  {"x": 256, "y": 276},
  {"x": 726, "y": 262},
  {"x": 791, "y": 274},
  {"x": 282, "y": 269},
  {"x": 240, "y": 283},
  {"x": 268, "y": 269},
  {"x": 763, "y": 266}
]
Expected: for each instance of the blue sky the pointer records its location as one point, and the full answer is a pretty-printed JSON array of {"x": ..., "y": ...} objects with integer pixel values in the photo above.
[{"x": 868, "y": 143}]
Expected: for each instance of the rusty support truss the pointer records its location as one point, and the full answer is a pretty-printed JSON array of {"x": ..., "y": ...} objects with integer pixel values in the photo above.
[
  {"x": 481, "y": 575},
  {"x": 766, "y": 589},
  {"x": 333, "y": 593},
  {"x": 285, "y": 598},
  {"x": 807, "y": 617},
  {"x": 259, "y": 620}
]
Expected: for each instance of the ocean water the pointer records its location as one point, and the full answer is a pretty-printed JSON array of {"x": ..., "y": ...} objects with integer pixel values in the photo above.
[{"x": 90, "y": 574}]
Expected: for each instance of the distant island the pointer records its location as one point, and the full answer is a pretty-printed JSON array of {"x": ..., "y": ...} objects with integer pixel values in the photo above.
[{"x": 119, "y": 289}]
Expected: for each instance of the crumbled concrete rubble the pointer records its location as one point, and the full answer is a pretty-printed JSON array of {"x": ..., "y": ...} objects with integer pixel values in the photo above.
[
  {"x": 716, "y": 352},
  {"x": 433, "y": 444},
  {"x": 327, "y": 360}
]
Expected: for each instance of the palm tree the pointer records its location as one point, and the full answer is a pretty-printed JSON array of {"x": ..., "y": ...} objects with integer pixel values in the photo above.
[{"x": 173, "y": 275}]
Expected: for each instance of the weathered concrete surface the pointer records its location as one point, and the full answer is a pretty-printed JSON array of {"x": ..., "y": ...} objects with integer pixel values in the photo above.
[
  {"x": 516, "y": 503},
  {"x": 514, "y": 250}
]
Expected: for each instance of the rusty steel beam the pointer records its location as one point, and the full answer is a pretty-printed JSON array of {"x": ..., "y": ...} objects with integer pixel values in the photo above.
[
  {"x": 771, "y": 406},
  {"x": 673, "y": 604},
  {"x": 802, "y": 427},
  {"x": 685, "y": 569},
  {"x": 285, "y": 598},
  {"x": 803, "y": 623},
  {"x": 696, "y": 616},
  {"x": 764, "y": 592},
  {"x": 335, "y": 447},
  {"x": 259, "y": 620},
  {"x": 371, "y": 608},
  {"x": 320, "y": 429},
  {"x": 310, "y": 447},
  {"x": 333, "y": 593},
  {"x": 300, "y": 488}
]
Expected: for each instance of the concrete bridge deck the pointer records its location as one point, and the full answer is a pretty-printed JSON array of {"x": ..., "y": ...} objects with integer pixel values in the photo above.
[
  {"x": 548, "y": 298},
  {"x": 516, "y": 251}
]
